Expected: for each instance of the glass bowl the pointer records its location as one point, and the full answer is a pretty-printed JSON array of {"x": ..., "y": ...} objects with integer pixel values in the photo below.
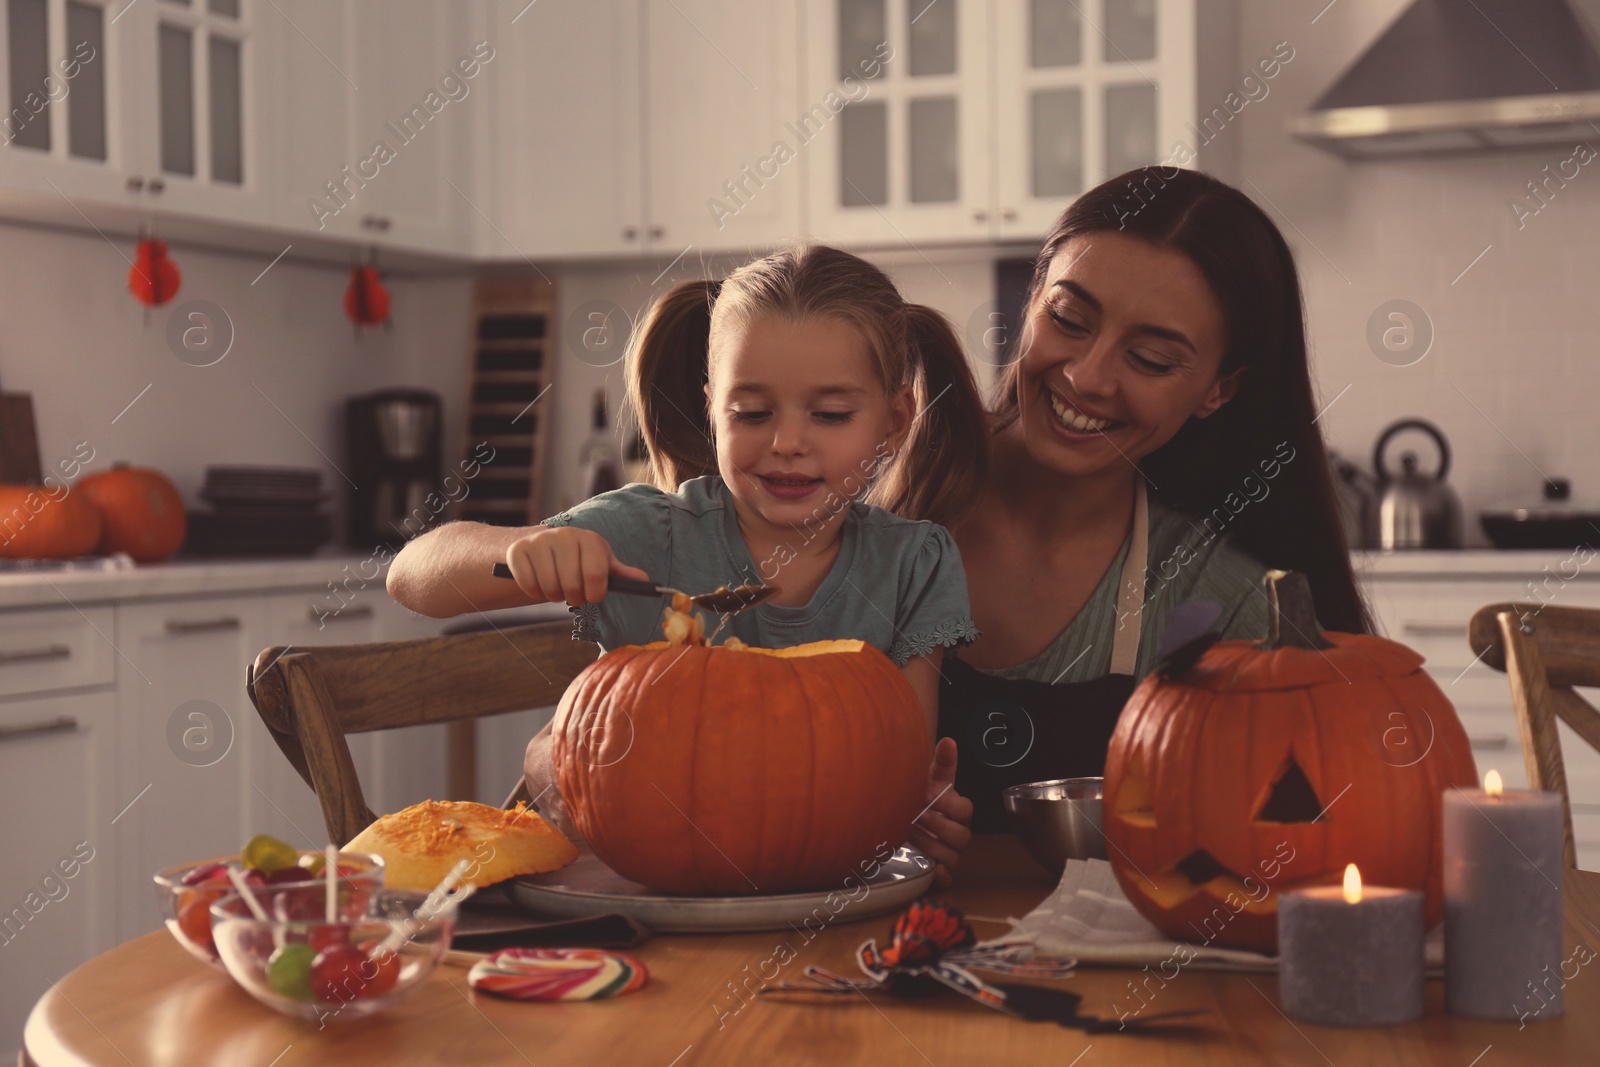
[
  {"x": 319, "y": 971},
  {"x": 186, "y": 905}
]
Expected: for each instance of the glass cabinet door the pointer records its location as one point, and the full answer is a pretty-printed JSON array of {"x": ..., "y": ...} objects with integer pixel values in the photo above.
[
  {"x": 55, "y": 123},
  {"x": 1086, "y": 89},
  {"x": 895, "y": 115},
  {"x": 200, "y": 56}
]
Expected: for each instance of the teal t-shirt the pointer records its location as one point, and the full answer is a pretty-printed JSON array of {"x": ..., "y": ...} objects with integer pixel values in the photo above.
[{"x": 898, "y": 584}]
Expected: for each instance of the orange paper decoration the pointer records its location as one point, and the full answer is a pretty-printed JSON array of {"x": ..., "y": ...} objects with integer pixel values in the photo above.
[{"x": 153, "y": 279}]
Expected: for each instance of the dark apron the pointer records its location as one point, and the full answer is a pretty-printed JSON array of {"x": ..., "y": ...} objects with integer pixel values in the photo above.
[{"x": 1009, "y": 732}]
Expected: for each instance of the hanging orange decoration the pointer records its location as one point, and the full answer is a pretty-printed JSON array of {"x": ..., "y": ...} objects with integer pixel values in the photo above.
[
  {"x": 153, "y": 278},
  {"x": 366, "y": 301}
]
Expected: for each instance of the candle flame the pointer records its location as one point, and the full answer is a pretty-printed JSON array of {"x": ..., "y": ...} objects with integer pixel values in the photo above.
[
  {"x": 1492, "y": 784},
  {"x": 1352, "y": 884}
]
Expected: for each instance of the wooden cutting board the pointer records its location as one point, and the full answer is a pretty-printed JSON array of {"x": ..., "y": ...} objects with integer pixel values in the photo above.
[{"x": 19, "y": 441}]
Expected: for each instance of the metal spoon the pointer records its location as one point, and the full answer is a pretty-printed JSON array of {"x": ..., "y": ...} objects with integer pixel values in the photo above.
[{"x": 720, "y": 601}]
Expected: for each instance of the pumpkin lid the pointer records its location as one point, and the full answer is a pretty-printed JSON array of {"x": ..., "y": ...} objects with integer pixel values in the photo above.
[{"x": 1243, "y": 666}]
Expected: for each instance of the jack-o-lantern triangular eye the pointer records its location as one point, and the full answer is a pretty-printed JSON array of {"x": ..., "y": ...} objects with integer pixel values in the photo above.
[{"x": 1291, "y": 797}]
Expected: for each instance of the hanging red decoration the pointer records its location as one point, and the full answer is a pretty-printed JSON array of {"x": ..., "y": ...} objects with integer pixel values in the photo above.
[
  {"x": 366, "y": 301},
  {"x": 154, "y": 278}
]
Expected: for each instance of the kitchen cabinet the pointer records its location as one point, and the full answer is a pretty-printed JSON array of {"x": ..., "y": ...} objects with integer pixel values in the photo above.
[
  {"x": 645, "y": 127},
  {"x": 722, "y": 166},
  {"x": 54, "y": 883},
  {"x": 568, "y": 151},
  {"x": 965, "y": 121},
  {"x": 154, "y": 105},
  {"x": 73, "y": 124},
  {"x": 183, "y": 739},
  {"x": 1425, "y": 600},
  {"x": 376, "y": 126}
]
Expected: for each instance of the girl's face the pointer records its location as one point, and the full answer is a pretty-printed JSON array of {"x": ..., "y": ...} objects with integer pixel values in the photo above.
[
  {"x": 798, "y": 414},
  {"x": 1124, "y": 344}
]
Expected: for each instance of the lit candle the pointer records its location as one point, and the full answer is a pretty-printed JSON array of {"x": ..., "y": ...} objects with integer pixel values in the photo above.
[
  {"x": 1351, "y": 955},
  {"x": 1503, "y": 866}
]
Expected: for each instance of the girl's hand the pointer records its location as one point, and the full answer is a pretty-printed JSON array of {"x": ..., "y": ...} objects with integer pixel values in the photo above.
[
  {"x": 945, "y": 826},
  {"x": 565, "y": 563}
]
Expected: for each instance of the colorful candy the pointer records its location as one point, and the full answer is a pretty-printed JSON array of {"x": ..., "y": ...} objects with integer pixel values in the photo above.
[
  {"x": 266, "y": 854},
  {"x": 289, "y": 971},
  {"x": 557, "y": 974}
]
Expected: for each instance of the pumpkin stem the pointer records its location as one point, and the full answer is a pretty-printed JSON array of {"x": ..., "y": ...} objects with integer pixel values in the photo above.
[{"x": 1291, "y": 617}]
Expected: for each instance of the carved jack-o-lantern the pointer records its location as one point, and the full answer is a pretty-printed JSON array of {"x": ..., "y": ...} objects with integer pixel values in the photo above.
[{"x": 1269, "y": 766}]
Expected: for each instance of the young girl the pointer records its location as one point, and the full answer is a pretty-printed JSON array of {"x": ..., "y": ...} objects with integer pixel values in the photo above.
[{"x": 793, "y": 414}]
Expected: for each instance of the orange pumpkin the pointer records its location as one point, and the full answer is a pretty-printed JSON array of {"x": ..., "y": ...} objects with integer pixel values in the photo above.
[
  {"x": 36, "y": 525},
  {"x": 1270, "y": 766},
  {"x": 143, "y": 511},
  {"x": 734, "y": 770}
]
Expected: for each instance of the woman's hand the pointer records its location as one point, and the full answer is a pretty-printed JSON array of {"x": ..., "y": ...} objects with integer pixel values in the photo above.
[
  {"x": 566, "y": 563},
  {"x": 945, "y": 827}
]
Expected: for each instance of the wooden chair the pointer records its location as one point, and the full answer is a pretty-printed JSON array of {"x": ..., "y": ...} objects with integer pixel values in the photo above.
[
  {"x": 1545, "y": 652},
  {"x": 311, "y": 698}
]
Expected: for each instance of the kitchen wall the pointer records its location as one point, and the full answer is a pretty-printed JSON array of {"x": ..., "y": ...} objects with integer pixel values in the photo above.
[
  {"x": 1511, "y": 377},
  {"x": 73, "y": 336}
]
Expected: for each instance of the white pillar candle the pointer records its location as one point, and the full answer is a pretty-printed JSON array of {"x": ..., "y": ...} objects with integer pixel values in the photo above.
[
  {"x": 1503, "y": 867},
  {"x": 1351, "y": 955}
]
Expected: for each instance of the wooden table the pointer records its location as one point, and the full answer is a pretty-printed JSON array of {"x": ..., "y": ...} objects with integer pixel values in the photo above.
[{"x": 148, "y": 1003}]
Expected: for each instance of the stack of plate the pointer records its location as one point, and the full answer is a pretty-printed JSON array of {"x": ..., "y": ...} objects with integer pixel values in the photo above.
[{"x": 260, "y": 511}]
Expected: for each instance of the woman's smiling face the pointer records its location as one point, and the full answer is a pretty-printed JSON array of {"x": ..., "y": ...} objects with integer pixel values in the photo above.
[{"x": 1123, "y": 345}]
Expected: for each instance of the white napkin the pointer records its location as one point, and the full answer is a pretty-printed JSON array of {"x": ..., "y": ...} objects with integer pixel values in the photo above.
[{"x": 1089, "y": 919}]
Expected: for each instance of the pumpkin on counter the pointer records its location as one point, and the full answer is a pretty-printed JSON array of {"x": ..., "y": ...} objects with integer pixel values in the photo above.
[
  {"x": 1269, "y": 766},
  {"x": 36, "y": 525},
  {"x": 731, "y": 770},
  {"x": 143, "y": 511}
]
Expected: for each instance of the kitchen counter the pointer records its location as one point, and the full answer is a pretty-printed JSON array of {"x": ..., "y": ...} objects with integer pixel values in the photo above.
[
  {"x": 1478, "y": 563},
  {"x": 184, "y": 578}
]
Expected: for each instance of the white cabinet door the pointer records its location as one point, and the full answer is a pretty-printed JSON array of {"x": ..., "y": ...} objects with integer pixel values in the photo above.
[
  {"x": 1084, "y": 92},
  {"x": 566, "y": 137},
  {"x": 55, "y": 773},
  {"x": 183, "y": 740},
  {"x": 413, "y": 120},
  {"x": 722, "y": 165},
  {"x": 309, "y": 120},
  {"x": 68, "y": 127},
  {"x": 896, "y": 121},
  {"x": 194, "y": 67}
]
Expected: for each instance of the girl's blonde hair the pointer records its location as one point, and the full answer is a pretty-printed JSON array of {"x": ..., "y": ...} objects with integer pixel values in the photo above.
[{"x": 938, "y": 469}]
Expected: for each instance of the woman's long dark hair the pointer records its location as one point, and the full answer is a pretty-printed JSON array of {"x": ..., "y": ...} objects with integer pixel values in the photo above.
[{"x": 1252, "y": 276}]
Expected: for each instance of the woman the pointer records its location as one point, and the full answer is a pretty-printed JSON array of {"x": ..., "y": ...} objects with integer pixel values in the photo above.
[{"x": 1154, "y": 443}]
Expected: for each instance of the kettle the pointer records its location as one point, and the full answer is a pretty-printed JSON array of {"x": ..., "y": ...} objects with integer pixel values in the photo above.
[{"x": 1415, "y": 510}]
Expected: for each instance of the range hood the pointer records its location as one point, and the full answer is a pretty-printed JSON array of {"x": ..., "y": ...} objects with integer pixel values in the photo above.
[{"x": 1464, "y": 76}]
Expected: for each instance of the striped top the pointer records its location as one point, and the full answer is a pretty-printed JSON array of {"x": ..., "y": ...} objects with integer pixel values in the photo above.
[{"x": 1187, "y": 560}]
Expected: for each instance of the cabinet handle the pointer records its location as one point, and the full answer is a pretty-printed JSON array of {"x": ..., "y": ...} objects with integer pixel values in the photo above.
[
  {"x": 156, "y": 185},
  {"x": 33, "y": 655},
  {"x": 61, "y": 724},
  {"x": 383, "y": 223},
  {"x": 1494, "y": 741},
  {"x": 657, "y": 232},
  {"x": 348, "y": 615},
  {"x": 1009, "y": 214},
  {"x": 980, "y": 216},
  {"x": 1435, "y": 629},
  {"x": 630, "y": 233},
  {"x": 135, "y": 184},
  {"x": 202, "y": 626}
]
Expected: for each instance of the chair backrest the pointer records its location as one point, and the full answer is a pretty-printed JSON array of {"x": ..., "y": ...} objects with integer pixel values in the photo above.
[
  {"x": 311, "y": 698},
  {"x": 1545, "y": 652}
]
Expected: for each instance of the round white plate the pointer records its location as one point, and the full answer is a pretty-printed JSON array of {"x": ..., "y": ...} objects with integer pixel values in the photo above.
[{"x": 588, "y": 887}]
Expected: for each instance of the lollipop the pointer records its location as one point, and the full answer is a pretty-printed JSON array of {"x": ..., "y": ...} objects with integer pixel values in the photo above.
[{"x": 557, "y": 974}]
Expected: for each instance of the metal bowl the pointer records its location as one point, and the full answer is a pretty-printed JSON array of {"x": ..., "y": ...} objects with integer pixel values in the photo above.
[{"x": 1058, "y": 820}]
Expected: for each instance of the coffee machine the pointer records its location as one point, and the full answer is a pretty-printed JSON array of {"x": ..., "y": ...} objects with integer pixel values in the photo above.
[{"x": 395, "y": 461}]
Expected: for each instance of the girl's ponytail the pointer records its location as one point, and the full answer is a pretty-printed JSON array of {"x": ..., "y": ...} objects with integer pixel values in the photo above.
[
  {"x": 943, "y": 460},
  {"x": 667, "y": 373}
]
